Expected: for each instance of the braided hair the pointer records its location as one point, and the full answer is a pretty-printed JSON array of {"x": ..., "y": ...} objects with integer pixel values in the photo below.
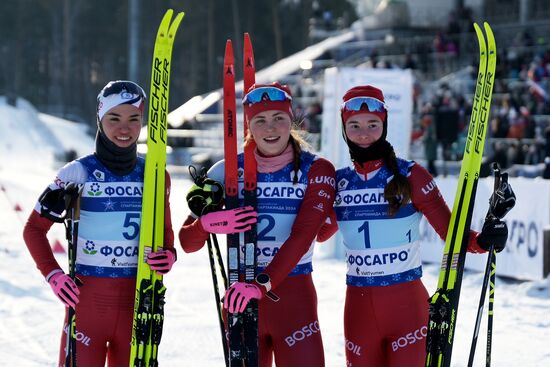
[
  {"x": 398, "y": 191},
  {"x": 298, "y": 144}
]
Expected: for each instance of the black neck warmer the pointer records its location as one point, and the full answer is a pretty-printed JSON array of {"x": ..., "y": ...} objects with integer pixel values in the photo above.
[
  {"x": 378, "y": 150},
  {"x": 120, "y": 161}
]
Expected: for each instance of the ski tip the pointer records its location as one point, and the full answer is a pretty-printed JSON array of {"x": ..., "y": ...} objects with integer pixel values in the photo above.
[
  {"x": 247, "y": 44},
  {"x": 477, "y": 28},
  {"x": 490, "y": 36},
  {"x": 228, "y": 59},
  {"x": 229, "y": 48},
  {"x": 175, "y": 24},
  {"x": 165, "y": 23},
  {"x": 480, "y": 39},
  {"x": 248, "y": 63},
  {"x": 247, "y": 41},
  {"x": 168, "y": 14},
  {"x": 247, "y": 50}
]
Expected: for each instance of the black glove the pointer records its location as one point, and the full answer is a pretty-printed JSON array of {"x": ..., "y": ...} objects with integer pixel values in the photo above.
[
  {"x": 205, "y": 196},
  {"x": 503, "y": 199},
  {"x": 494, "y": 232},
  {"x": 54, "y": 203}
]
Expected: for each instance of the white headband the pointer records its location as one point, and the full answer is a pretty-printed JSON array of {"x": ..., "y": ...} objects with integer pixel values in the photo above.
[{"x": 104, "y": 104}]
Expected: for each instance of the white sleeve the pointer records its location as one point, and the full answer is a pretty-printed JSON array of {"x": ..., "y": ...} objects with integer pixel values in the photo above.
[
  {"x": 72, "y": 172},
  {"x": 217, "y": 171}
]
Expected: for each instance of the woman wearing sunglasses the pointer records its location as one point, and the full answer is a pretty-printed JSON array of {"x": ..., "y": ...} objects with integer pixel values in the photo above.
[
  {"x": 108, "y": 237},
  {"x": 295, "y": 192},
  {"x": 379, "y": 203}
]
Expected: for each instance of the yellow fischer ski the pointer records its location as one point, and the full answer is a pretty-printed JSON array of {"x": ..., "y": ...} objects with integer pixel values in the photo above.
[
  {"x": 444, "y": 302},
  {"x": 150, "y": 291}
]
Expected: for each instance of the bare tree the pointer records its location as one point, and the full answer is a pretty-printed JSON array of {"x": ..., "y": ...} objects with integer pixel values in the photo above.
[{"x": 277, "y": 29}]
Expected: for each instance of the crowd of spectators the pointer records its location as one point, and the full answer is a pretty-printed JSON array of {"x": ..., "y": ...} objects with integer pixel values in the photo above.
[{"x": 519, "y": 127}]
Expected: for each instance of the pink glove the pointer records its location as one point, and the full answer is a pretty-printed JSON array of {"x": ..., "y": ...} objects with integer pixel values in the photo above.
[
  {"x": 239, "y": 294},
  {"x": 65, "y": 289},
  {"x": 161, "y": 261},
  {"x": 229, "y": 221}
]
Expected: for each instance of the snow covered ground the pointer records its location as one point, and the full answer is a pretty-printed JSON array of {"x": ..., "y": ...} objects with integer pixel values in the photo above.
[{"x": 31, "y": 316}]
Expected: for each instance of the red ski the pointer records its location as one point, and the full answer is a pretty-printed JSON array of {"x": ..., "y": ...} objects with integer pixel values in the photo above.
[
  {"x": 231, "y": 197},
  {"x": 250, "y": 316}
]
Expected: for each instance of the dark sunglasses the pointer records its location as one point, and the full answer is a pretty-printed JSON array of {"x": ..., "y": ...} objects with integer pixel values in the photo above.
[
  {"x": 364, "y": 103},
  {"x": 266, "y": 94},
  {"x": 121, "y": 86}
]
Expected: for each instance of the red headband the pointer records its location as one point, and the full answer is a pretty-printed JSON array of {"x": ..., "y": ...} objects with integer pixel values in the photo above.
[
  {"x": 252, "y": 110},
  {"x": 362, "y": 91}
]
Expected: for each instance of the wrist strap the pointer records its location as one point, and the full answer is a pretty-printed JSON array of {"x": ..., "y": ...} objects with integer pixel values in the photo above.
[{"x": 52, "y": 273}]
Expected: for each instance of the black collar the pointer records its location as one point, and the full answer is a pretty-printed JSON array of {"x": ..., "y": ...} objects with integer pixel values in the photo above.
[
  {"x": 120, "y": 161},
  {"x": 378, "y": 150}
]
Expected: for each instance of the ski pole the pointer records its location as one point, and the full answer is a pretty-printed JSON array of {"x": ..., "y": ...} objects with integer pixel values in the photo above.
[
  {"x": 199, "y": 179},
  {"x": 488, "y": 277},
  {"x": 220, "y": 260},
  {"x": 70, "y": 347},
  {"x": 71, "y": 226},
  {"x": 491, "y": 304},
  {"x": 480, "y": 306},
  {"x": 217, "y": 293}
]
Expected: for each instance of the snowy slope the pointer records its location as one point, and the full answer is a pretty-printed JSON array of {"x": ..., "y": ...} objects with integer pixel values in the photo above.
[
  {"x": 31, "y": 316},
  {"x": 69, "y": 134}
]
